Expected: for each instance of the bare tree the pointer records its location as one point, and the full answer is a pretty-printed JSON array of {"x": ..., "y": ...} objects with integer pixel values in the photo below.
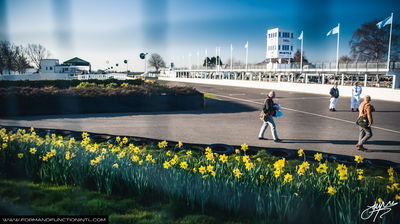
[
  {"x": 345, "y": 59},
  {"x": 371, "y": 43},
  {"x": 36, "y": 53},
  {"x": 20, "y": 61},
  {"x": 6, "y": 57},
  {"x": 297, "y": 56},
  {"x": 156, "y": 61}
]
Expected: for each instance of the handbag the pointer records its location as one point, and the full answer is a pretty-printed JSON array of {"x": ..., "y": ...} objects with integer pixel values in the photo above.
[
  {"x": 362, "y": 122},
  {"x": 263, "y": 116}
]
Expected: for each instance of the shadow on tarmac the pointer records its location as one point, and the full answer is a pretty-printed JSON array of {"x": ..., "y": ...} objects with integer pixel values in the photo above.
[
  {"x": 211, "y": 106},
  {"x": 343, "y": 142}
]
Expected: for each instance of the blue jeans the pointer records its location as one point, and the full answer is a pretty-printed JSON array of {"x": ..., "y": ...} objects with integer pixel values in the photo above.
[{"x": 270, "y": 121}]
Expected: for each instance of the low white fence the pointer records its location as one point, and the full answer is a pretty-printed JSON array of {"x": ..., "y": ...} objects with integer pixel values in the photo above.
[{"x": 375, "y": 93}]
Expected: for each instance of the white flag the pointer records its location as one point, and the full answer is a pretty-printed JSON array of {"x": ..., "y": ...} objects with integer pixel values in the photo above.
[
  {"x": 247, "y": 45},
  {"x": 385, "y": 22},
  {"x": 335, "y": 30},
  {"x": 301, "y": 36}
]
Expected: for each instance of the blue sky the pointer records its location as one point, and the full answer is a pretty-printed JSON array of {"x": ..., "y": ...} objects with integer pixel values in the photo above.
[{"x": 100, "y": 30}]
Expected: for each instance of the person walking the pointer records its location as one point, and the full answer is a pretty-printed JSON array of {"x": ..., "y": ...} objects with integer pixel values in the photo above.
[
  {"x": 334, "y": 97},
  {"x": 269, "y": 110},
  {"x": 365, "y": 111},
  {"x": 355, "y": 97}
]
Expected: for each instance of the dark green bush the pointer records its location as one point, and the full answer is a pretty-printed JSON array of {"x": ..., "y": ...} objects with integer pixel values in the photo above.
[{"x": 64, "y": 84}]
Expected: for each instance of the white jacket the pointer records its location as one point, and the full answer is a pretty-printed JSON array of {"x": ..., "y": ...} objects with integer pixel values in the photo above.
[{"x": 356, "y": 91}]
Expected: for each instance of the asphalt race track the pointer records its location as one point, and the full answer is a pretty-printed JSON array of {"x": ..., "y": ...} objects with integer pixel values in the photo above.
[{"x": 232, "y": 117}]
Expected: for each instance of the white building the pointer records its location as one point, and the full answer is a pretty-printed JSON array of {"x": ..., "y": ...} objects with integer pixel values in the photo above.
[
  {"x": 280, "y": 43},
  {"x": 49, "y": 65},
  {"x": 72, "y": 66}
]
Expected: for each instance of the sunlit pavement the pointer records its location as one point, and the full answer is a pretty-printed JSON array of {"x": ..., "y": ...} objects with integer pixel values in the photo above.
[{"x": 231, "y": 117}]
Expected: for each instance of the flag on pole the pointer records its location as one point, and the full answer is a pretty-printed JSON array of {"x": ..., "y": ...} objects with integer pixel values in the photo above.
[
  {"x": 335, "y": 30},
  {"x": 301, "y": 36},
  {"x": 385, "y": 22},
  {"x": 247, "y": 45}
]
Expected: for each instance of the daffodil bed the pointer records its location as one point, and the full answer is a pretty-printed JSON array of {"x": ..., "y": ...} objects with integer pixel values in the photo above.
[{"x": 258, "y": 185}]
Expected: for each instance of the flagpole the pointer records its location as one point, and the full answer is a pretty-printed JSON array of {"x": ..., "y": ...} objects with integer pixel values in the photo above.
[
  {"x": 206, "y": 60},
  {"x": 390, "y": 42},
  {"x": 247, "y": 53},
  {"x": 337, "y": 50},
  {"x": 231, "y": 56},
  {"x": 301, "y": 55}
]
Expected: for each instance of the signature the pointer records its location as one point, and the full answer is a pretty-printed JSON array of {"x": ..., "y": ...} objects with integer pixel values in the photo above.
[{"x": 376, "y": 208}]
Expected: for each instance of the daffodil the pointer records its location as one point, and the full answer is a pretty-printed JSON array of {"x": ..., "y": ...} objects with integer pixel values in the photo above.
[
  {"x": 135, "y": 158},
  {"x": 166, "y": 165},
  {"x": 32, "y": 150},
  {"x": 277, "y": 173},
  {"x": 331, "y": 190},
  {"x": 279, "y": 164},
  {"x": 303, "y": 168},
  {"x": 189, "y": 153},
  {"x": 244, "y": 147},
  {"x": 397, "y": 197},
  {"x": 121, "y": 154},
  {"x": 115, "y": 165},
  {"x": 149, "y": 157},
  {"x": 390, "y": 171},
  {"x": 184, "y": 165},
  {"x": 84, "y": 135},
  {"x": 180, "y": 144},
  {"x": 237, "y": 151},
  {"x": 341, "y": 167},
  {"x": 360, "y": 171},
  {"x": 223, "y": 158},
  {"x": 318, "y": 156},
  {"x": 262, "y": 177},
  {"x": 389, "y": 189},
  {"x": 343, "y": 174},
  {"x": 246, "y": 159},
  {"x": 287, "y": 178},
  {"x": 20, "y": 155},
  {"x": 322, "y": 168},
  {"x": 237, "y": 173},
  {"x": 379, "y": 200},
  {"x": 358, "y": 159},
  {"x": 300, "y": 152},
  {"x": 249, "y": 166},
  {"x": 162, "y": 144},
  {"x": 210, "y": 168},
  {"x": 202, "y": 169},
  {"x": 360, "y": 177},
  {"x": 210, "y": 156},
  {"x": 213, "y": 173}
]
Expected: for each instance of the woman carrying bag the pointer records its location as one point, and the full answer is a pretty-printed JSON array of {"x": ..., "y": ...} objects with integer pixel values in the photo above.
[
  {"x": 364, "y": 122},
  {"x": 269, "y": 110}
]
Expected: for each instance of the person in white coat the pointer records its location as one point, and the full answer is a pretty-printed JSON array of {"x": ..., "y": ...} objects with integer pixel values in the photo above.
[{"x": 355, "y": 97}]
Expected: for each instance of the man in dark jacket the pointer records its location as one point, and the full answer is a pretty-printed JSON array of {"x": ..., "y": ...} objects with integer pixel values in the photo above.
[
  {"x": 269, "y": 110},
  {"x": 334, "y": 97}
]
